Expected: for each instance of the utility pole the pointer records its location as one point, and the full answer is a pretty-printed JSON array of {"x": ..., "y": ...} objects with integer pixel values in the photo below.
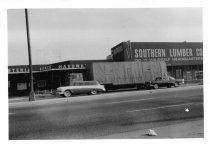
[{"x": 31, "y": 94}]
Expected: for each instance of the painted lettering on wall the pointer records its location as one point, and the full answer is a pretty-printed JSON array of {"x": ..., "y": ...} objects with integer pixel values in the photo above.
[
  {"x": 199, "y": 52},
  {"x": 139, "y": 53},
  {"x": 180, "y": 52},
  {"x": 45, "y": 68},
  {"x": 73, "y": 66},
  {"x": 174, "y": 54},
  {"x": 171, "y": 59},
  {"x": 19, "y": 70}
]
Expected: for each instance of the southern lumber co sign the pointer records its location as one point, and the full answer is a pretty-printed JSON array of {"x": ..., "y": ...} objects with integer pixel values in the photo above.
[
  {"x": 180, "y": 55},
  {"x": 174, "y": 54},
  {"x": 180, "y": 52}
]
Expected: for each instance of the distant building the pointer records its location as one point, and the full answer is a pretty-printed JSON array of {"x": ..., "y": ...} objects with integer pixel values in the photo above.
[{"x": 183, "y": 59}]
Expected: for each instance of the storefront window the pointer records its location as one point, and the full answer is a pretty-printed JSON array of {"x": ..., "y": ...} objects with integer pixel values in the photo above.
[
  {"x": 21, "y": 86},
  {"x": 187, "y": 75},
  {"x": 193, "y": 75},
  {"x": 198, "y": 75},
  {"x": 41, "y": 83}
]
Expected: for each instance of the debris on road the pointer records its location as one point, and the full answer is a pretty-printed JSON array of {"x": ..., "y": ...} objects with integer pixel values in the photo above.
[
  {"x": 187, "y": 110},
  {"x": 151, "y": 132}
]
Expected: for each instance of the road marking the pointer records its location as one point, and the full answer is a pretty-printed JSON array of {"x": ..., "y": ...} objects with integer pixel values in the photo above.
[{"x": 161, "y": 107}]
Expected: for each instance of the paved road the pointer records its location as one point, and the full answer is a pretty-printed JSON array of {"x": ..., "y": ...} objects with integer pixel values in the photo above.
[{"x": 106, "y": 114}]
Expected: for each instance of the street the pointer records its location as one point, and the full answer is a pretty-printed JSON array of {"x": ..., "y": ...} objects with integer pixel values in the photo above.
[{"x": 91, "y": 117}]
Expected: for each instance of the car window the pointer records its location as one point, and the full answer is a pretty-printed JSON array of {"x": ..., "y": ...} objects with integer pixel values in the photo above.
[
  {"x": 78, "y": 84},
  {"x": 86, "y": 83},
  {"x": 158, "y": 78},
  {"x": 95, "y": 83},
  {"x": 91, "y": 83},
  {"x": 75, "y": 84}
]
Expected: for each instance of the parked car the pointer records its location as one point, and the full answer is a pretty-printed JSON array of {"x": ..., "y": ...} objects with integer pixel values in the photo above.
[
  {"x": 178, "y": 81},
  {"x": 81, "y": 87},
  {"x": 159, "y": 82}
]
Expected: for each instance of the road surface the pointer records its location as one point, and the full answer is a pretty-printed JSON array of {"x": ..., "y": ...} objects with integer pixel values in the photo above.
[{"x": 90, "y": 117}]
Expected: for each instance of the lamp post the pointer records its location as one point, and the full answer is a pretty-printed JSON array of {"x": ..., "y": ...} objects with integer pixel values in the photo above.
[{"x": 31, "y": 94}]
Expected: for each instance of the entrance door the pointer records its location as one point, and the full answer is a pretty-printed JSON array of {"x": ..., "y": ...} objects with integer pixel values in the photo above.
[{"x": 179, "y": 74}]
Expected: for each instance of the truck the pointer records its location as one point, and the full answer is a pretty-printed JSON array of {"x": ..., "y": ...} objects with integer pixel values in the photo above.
[{"x": 131, "y": 74}]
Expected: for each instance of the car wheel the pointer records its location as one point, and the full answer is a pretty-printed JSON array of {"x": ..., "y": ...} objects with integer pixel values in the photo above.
[
  {"x": 93, "y": 92},
  {"x": 176, "y": 85},
  {"x": 67, "y": 93},
  {"x": 169, "y": 86},
  {"x": 156, "y": 86}
]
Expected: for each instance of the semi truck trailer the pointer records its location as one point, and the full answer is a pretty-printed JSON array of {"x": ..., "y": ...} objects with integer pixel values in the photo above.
[{"x": 131, "y": 74}]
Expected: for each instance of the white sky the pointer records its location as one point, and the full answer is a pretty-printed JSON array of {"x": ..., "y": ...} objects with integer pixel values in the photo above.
[{"x": 79, "y": 34}]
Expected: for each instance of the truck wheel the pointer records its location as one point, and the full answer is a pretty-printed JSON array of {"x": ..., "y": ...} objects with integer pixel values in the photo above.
[
  {"x": 62, "y": 95},
  {"x": 156, "y": 86},
  {"x": 93, "y": 92},
  {"x": 147, "y": 86},
  {"x": 67, "y": 93}
]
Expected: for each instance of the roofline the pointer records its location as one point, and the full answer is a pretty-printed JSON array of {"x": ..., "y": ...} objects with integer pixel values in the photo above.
[{"x": 55, "y": 63}]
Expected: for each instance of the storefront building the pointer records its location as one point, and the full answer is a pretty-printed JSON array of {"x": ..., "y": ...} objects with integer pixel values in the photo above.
[
  {"x": 183, "y": 59},
  {"x": 47, "y": 77}
]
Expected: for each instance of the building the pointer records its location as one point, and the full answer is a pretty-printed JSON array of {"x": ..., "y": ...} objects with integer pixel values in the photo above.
[
  {"x": 183, "y": 59},
  {"x": 47, "y": 77}
]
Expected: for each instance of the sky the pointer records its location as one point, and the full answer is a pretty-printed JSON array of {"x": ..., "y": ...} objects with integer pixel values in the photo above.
[{"x": 89, "y": 34}]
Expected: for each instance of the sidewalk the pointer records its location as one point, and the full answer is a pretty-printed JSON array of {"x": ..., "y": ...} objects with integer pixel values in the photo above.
[
  {"x": 26, "y": 98},
  {"x": 193, "y": 129}
]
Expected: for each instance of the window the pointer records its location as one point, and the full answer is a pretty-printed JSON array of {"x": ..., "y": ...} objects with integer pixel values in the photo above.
[
  {"x": 91, "y": 83},
  {"x": 41, "y": 83},
  {"x": 21, "y": 86},
  {"x": 78, "y": 84},
  {"x": 188, "y": 75},
  {"x": 86, "y": 83},
  {"x": 198, "y": 75}
]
